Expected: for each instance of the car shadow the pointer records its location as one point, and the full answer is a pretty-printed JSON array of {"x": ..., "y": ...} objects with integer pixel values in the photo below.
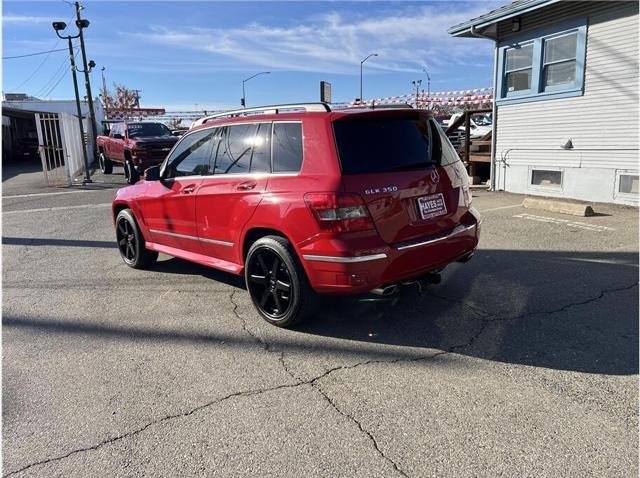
[{"x": 573, "y": 311}]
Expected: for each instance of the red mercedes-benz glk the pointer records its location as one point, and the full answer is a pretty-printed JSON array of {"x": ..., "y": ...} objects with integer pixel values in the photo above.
[{"x": 304, "y": 201}]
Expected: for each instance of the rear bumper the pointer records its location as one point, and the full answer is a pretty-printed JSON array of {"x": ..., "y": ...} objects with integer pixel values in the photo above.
[{"x": 372, "y": 268}]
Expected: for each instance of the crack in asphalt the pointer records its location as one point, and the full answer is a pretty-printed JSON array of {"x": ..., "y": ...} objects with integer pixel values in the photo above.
[
  {"x": 150, "y": 424},
  {"x": 485, "y": 321},
  {"x": 265, "y": 345},
  {"x": 313, "y": 382}
]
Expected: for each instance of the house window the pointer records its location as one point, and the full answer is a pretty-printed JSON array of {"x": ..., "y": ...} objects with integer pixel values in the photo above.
[
  {"x": 560, "y": 60},
  {"x": 518, "y": 68},
  {"x": 545, "y": 64},
  {"x": 546, "y": 178},
  {"x": 628, "y": 184}
]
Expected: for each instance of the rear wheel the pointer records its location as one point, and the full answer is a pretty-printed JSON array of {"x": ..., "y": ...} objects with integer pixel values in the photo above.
[
  {"x": 277, "y": 283},
  {"x": 131, "y": 243},
  {"x": 106, "y": 166}
]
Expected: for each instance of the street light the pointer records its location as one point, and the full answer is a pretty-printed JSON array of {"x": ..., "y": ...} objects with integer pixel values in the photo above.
[
  {"x": 361, "y": 63},
  {"x": 428, "y": 82},
  {"x": 417, "y": 84},
  {"x": 243, "y": 101},
  {"x": 58, "y": 27}
]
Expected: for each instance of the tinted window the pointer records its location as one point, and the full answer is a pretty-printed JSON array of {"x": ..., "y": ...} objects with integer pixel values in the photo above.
[
  {"x": 261, "y": 155},
  {"x": 144, "y": 130},
  {"x": 287, "y": 147},
  {"x": 234, "y": 151},
  {"x": 191, "y": 156},
  {"x": 383, "y": 145}
]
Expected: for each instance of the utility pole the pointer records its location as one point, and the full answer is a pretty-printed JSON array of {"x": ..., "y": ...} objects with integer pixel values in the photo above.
[
  {"x": 81, "y": 24},
  {"x": 58, "y": 27}
]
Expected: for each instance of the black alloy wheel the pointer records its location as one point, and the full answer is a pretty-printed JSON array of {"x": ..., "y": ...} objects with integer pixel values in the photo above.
[
  {"x": 271, "y": 283},
  {"x": 277, "y": 284},
  {"x": 126, "y": 240},
  {"x": 131, "y": 243}
]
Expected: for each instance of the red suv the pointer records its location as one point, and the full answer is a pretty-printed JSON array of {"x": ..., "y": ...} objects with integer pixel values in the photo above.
[{"x": 303, "y": 201}]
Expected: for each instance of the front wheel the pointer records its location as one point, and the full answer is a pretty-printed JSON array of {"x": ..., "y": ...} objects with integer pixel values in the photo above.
[
  {"x": 130, "y": 173},
  {"x": 131, "y": 243},
  {"x": 277, "y": 283}
]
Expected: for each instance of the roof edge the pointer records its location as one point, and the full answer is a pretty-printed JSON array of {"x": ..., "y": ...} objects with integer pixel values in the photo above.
[{"x": 500, "y": 14}]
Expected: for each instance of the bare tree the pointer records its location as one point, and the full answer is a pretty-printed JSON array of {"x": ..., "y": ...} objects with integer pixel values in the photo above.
[{"x": 122, "y": 101}]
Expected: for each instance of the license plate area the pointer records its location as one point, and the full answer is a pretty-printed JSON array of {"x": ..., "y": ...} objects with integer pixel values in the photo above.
[{"x": 432, "y": 206}]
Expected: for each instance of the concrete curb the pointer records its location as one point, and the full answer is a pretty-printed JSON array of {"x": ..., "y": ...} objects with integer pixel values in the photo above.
[{"x": 556, "y": 205}]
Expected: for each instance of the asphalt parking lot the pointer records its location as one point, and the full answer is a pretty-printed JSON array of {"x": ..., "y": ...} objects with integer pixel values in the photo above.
[{"x": 522, "y": 362}]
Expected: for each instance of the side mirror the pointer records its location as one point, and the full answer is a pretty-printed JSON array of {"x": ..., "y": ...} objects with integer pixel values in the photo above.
[{"x": 152, "y": 173}]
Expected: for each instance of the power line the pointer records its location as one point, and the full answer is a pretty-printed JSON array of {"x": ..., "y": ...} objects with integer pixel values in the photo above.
[
  {"x": 46, "y": 95},
  {"x": 33, "y": 54},
  {"x": 30, "y": 77},
  {"x": 52, "y": 79}
]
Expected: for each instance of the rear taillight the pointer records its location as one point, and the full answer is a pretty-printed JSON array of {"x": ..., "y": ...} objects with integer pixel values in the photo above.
[{"x": 339, "y": 212}]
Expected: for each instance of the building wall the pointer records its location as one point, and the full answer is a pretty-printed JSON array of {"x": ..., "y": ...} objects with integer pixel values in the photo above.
[{"x": 602, "y": 124}]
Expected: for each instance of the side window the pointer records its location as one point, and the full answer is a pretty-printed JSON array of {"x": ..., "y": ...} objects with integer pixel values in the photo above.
[
  {"x": 287, "y": 147},
  {"x": 261, "y": 155},
  {"x": 234, "y": 151},
  {"x": 191, "y": 155}
]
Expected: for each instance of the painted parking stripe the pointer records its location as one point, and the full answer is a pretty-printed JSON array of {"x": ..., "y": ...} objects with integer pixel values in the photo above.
[
  {"x": 501, "y": 207},
  {"x": 566, "y": 222},
  {"x": 59, "y": 208},
  {"x": 47, "y": 194}
]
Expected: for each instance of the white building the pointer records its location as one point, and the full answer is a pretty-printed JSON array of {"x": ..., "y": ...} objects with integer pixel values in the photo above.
[
  {"x": 566, "y": 89},
  {"x": 55, "y": 125}
]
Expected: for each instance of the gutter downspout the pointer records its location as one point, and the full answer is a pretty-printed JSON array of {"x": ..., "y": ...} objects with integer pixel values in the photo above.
[{"x": 494, "y": 112}]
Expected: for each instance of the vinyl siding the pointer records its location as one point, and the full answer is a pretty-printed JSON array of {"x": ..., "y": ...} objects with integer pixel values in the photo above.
[{"x": 602, "y": 123}]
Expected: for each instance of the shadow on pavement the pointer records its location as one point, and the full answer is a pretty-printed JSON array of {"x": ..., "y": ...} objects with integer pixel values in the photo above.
[
  {"x": 558, "y": 310},
  {"x": 40, "y": 241}
]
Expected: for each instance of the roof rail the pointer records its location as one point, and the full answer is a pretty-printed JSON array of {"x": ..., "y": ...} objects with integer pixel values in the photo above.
[{"x": 273, "y": 109}]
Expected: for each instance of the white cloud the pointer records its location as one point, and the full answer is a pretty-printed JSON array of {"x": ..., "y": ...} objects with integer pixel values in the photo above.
[
  {"x": 405, "y": 40},
  {"x": 24, "y": 19}
]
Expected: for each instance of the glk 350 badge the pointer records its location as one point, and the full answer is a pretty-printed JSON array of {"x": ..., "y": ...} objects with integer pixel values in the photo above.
[{"x": 385, "y": 189}]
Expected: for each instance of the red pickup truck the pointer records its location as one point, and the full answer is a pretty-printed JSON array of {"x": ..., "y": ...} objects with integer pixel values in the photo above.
[{"x": 136, "y": 146}]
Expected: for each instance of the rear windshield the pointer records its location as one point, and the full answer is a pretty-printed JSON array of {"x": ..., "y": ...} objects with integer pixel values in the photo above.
[
  {"x": 143, "y": 130},
  {"x": 387, "y": 144}
]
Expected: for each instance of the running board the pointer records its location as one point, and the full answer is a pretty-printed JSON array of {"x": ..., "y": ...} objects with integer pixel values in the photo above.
[{"x": 195, "y": 257}]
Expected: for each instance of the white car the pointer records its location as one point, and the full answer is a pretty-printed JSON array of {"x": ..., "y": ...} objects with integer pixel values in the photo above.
[{"x": 479, "y": 126}]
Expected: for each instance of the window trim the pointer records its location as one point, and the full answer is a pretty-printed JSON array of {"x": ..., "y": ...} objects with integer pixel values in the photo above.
[{"x": 538, "y": 92}]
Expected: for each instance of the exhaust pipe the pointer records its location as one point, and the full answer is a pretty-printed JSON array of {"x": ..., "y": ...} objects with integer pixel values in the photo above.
[{"x": 386, "y": 290}]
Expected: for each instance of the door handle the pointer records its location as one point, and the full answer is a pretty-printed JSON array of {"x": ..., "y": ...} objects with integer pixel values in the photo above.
[
  {"x": 188, "y": 189},
  {"x": 246, "y": 186}
]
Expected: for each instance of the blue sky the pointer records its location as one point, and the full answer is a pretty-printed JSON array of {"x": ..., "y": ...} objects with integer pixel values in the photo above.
[{"x": 180, "y": 54}]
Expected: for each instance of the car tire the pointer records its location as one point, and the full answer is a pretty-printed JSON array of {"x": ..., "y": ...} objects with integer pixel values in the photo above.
[
  {"x": 106, "y": 166},
  {"x": 130, "y": 173},
  {"x": 131, "y": 243},
  {"x": 277, "y": 283}
]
